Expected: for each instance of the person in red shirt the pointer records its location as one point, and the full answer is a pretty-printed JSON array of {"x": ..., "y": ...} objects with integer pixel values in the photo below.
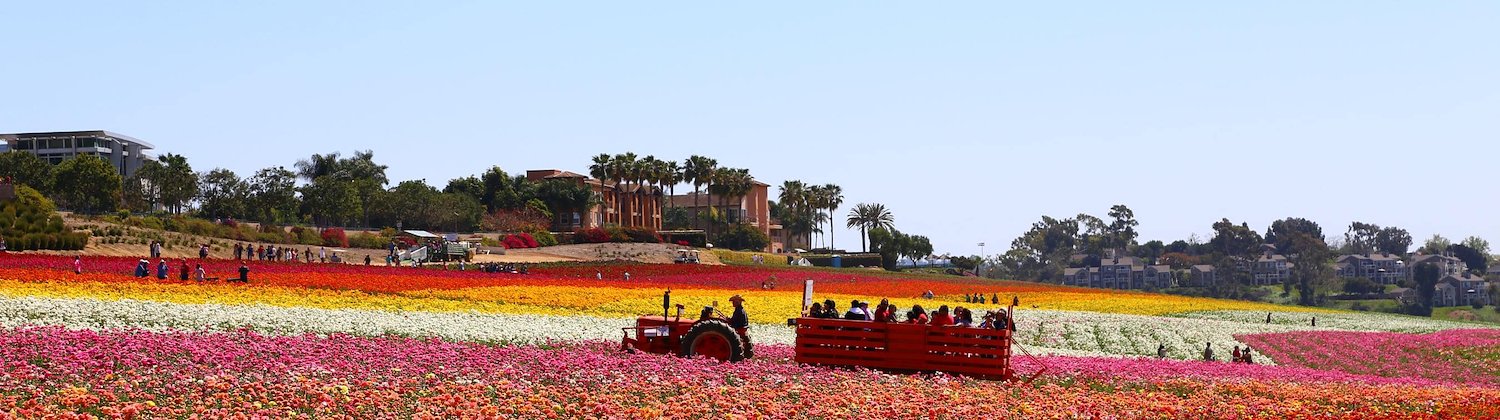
[{"x": 942, "y": 317}]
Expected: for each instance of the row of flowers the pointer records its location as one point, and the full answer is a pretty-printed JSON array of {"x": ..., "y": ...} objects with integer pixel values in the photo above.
[
  {"x": 51, "y": 371},
  {"x": 1039, "y": 331},
  {"x": 1454, "y": 355},
  {"x": 378, "y": 279}
]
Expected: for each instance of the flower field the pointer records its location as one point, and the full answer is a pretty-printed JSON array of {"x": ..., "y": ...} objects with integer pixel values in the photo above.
[{"x": 317, "y": 341}]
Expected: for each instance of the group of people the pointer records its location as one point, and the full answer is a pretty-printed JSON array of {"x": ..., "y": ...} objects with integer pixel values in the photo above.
[
  {"x": 1239, "y": 356},
  {"x": 143, "y": 269},
  {"x": 886, "y": 312},
  {"x": 276, "y": 253},
  {"x": 503, "y": 268}
]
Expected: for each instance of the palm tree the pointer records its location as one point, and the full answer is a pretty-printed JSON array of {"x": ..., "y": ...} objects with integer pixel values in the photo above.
[
  {"x": 793, "y": 197},
  {"x": 699, "y": 171},
  {"x": 817, "y": 199},
  {"x": 866, "y": 216},
  {"x": 833, "y": 197},
  {"x": 317, "y": 165},
  {"x": 671, "y": 176},
  {"x": 600, "y": 171}
]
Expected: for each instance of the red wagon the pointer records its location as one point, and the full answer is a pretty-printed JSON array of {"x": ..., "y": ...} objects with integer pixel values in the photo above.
[{"x": 976, "y": 352}]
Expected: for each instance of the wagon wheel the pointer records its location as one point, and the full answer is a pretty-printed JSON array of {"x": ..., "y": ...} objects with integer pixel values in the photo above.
[{"x": 714, "y": 339}]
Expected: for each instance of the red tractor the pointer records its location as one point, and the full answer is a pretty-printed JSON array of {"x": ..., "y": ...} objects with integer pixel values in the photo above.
[{"x": 711, "y": 334}]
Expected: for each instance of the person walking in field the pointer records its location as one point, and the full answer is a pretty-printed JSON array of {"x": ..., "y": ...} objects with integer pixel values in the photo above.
[
  {"x": 1208, "y": 352},
  {"x": 182, "y": 273},
  {"x": 77, "y": 264}
]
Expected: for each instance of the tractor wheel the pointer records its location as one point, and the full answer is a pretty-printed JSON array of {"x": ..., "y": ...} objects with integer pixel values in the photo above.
[{"x": 714, "y": 339}]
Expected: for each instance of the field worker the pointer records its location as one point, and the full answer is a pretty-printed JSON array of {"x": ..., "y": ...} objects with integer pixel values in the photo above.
[
  {"x": 161, "y": 269},
  {"x": 599, "y": 275},
  {"x": 199, "y": 273},
  {"x": 739, "y": 319},
  {"x": 1161, "y": 351},
  {"x": 140, "y": 269},
  {"x": 77, "y": 264},
  {"x": 244, "y": 273},
  {"x": 182, "y": 274},
  {"x": 627, "y": 275}
]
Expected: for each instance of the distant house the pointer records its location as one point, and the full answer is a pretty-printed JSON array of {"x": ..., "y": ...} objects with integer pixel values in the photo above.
[
  {"x": 1271, "y": 268},
  {"x": 1446, "y": 264},
  {"x": 1119, "y": 273},
  {"x": 1461, "y": 290},
  {"x": 1202, "y": 275},
  {"x": 1382, "y": 268}
]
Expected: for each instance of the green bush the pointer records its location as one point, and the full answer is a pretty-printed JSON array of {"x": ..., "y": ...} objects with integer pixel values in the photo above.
[
  {"x": 544, "y": 238},
  {"x": 743, "y": 236},
  {"x": 305, "y": 236},
  {"x": 27, "y": 224}
]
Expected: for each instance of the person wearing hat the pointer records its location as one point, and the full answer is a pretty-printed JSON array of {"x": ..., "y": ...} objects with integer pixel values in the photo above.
[
  {"x": 141, "y": 269},
  {"x": 739, "y": 319},
  {"x": 162, "y": 269}
]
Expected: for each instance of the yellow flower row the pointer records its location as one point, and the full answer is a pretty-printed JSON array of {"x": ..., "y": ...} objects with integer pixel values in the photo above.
[{"x": 764, "y": 306}]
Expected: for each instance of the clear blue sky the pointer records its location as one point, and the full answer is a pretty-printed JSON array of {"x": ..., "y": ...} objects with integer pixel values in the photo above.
[{"x": 968, "y": 119}]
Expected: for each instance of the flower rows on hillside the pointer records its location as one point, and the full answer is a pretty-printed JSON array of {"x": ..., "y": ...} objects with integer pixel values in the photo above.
[
  {"x": 1453, "y": 355},
  {"x": 136, "y": 374}
]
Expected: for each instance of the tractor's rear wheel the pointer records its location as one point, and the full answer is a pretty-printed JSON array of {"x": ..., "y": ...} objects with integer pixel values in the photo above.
[{"x": 713, "y": 339}]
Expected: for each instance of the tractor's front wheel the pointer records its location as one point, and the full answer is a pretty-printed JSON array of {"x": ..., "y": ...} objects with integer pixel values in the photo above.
[{"x": 714, "y": 339}]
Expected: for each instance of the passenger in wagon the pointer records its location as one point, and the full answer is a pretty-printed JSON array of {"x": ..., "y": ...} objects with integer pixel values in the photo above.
[
  {"x": 855, "y": 312},
  {"x": 916, "y": 315},
  {"x": 963, "y": 317},
  {"x": 815, "y": 311},
  {"x": 880, "y": 311},
  {"x": 830, "y": 309},
  {"x": 942, "y": 317}
]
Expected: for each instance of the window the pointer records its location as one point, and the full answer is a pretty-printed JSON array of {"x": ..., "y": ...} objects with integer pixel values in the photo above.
[
  {"x": 24, "y": 145},
  {"x": 57, "y": 144}
]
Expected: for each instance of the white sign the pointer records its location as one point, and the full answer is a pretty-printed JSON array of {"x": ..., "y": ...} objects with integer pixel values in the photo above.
[{"x": 806, "y": 295}]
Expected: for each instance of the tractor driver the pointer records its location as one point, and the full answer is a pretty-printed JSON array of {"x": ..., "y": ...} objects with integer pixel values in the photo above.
[{"x": 739, "y": 319}]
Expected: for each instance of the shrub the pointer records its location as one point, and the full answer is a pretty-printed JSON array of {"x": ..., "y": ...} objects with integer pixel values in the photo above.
[
  {"x": 642, "y": 235},
  {"x": 368, "y": 241},
  {"x": 335, "y": 237},
  {"x": 528, "y": 240},
  {"x": 742, "y": 236},
  {"x": 591, "y": 235},
  {"x": 544, "y": 238},
  {"x": 513, "y": 242},
  {"x": 305, "y": 236},
  {"x": 26, "y": 226}
]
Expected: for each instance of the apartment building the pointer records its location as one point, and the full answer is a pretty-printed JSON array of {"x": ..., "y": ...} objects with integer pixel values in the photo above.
[
  {"x": 754, "y": 209},
  {"x": 627, "y": 205},
  {"x": 1461, "y": 290},
  {"x": 1120, "y": 273},
  {"x": 1381, "y": 268},
  {"x": 1448, "y": 265},
  {"x": 126, "y": 153},
  {"x": 1270, "y": 268}
]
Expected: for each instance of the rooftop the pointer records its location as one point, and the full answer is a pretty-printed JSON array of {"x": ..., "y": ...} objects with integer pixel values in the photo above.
[{"x": 87, "y": 133}]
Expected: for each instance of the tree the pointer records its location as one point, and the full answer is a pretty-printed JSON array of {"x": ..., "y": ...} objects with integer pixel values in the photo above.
[
  {"x": 1478, "y": 244},
  {"x": 1436, "y": 244},
  {"x": 360, "y": 171},
  {"x": 272, "y": 195},
  {"x": 833, "y": 197},
  {"x": 1151, "y": 250},
  {"x": 222, "y": 194},
  {"x": 1233, "y": 246},
  {"x": 1426, "y": 275},
  {"x": 887, "y": 243},
  {"x": 1178, "y": 260},
  {"x": 1043, "y": 251},
  {"x": 1361, "y": 236},
  {"x": 87, "y": 184},
  {"x": 699, "y": 171},
  {"x": 600, "y": 170},
  {"x": 867, "y": 216},
  {"x": 1283, "y": 231},
  {"x": 1477, "y": 260},
  {"x": 742, "y": 236},
  {"x": 27, "y": 169},
  {"x": 177, "y": 182},
  {"x": 1393, "y": 240},
  {"x": 140, "y": 192},
  {"x": 1179, "y": 246},
  {"x": 330, "y": 201},
  {"x": 1361, "y": 285},
  {"x": 1122, "y": 227},
  {"x": 916, "y": 247},
  {"x": 1309, "y": 266},
  {"x": 469, "y": 185},
  {"x": 565, "y": 198}
]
